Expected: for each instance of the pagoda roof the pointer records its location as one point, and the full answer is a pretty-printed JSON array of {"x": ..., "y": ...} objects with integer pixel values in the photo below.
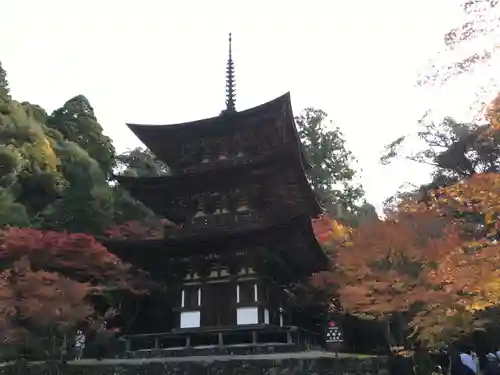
[
  {"x": 210, "y": 178},
  {"x": 157, "y": 192},
  {"x": 163, "y": 139},
  {"x": 152, "y": 253},
  {"x": 149, "y": 134},
  {"x": 207, "y": 176}
]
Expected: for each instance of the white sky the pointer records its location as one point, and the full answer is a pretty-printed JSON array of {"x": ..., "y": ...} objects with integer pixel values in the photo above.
[{"x": 163, "y": 62}]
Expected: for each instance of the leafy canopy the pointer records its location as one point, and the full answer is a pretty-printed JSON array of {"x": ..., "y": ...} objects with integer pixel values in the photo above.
[{"x": 331, "y": 173}]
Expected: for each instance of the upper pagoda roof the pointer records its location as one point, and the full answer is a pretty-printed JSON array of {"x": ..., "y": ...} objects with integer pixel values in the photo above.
[
  {"x": 165, "y": 141},
  {"x": 275, "y": 108}
]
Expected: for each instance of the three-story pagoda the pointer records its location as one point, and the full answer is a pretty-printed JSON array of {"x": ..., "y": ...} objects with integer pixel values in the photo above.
[{"x": 242, "y": 207}]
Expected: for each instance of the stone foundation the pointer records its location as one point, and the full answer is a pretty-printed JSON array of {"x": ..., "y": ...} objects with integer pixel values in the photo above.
[
  {"x": 212, "y": 351},
  {"x": 305, "y": 363}
]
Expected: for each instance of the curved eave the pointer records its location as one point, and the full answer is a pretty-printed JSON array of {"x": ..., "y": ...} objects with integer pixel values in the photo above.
[
  {"x": 145, "y": 253},
  {"x": 173, "y": 243},
  {"x": 258, "y": 166},
  {"x": 304, "y": 161},
  {"x": 146, "y": 189},
  {"x": 147, "y": 132}
]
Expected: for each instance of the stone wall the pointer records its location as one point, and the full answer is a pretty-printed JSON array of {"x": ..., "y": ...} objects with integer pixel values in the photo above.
[
  {"x": 211, "y": 351},
  {"x": 321, "y": 365}
]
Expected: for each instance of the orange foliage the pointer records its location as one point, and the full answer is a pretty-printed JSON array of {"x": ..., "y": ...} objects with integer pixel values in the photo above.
[
  {"x": 437, "y": 260},
  {"x": 330, "y": 234},
  {"x": 322, "y": 228},
  {"x": 38, "y": 306},
  {"x": 329, "y": 231},
  {"x": 420, "y": 263},
  {"x": 478, "y": 197},
  {"x": 493, "y": 113}
]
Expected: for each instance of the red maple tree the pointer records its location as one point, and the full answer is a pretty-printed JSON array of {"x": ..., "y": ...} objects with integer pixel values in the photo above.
[
  {"x": 152, "y": 228},
  {"x": 322, "y": 228},
  {"x": 78, "y": 256},
  {"x": 48, "y": 284},
  {"x": 40, "y": 310}
]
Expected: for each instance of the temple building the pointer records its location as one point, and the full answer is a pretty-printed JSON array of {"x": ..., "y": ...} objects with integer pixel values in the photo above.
[{"x": 242, "y": 208}]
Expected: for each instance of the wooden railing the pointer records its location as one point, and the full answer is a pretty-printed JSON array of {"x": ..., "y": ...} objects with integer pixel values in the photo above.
[{"x": 251, "y": 335}]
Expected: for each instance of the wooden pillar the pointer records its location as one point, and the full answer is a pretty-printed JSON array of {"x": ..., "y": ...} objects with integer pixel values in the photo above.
[{"x": 254, "y": 337}]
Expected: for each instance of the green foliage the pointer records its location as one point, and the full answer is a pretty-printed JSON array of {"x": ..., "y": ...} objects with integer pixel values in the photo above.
[
  {"x": 128, "y": 209},
  {"x": 12, "y": 213},
  {"x": 53, "y": 169},
  {"x": 331, "y": 174},
  {"x": 140, "y": 162},
  {"x": 76, "y": 121},
  {"x": 4, "y": 86},
  {"x": 30, "y": 168},
  {"x": 86, "y": 204},
  {"x": 365, "y": 213},
  {"x": 10, "y": 161},
  {"x": 79, "y": 211}
]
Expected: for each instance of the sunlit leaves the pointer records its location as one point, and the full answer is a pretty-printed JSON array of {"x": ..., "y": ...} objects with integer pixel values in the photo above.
[
  {"x": 328, "y": 230},
  {"x": 418, "y": 262},
  {"x": 493, "y": 113},
  {"x": 464, "y": 278}
]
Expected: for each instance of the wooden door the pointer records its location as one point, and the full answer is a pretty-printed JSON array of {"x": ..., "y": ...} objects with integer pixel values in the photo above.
[
  {"x": 227, "y": 304},
  {"x": 218, "y": 305}
]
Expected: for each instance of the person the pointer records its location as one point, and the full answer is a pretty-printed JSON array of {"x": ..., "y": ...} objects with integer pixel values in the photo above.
[
  {"x": 79, "y": 344},
  {"x": 492, "y": 366},
  {"x": 102, "y": 340},
  {"x": 469, "y": 360},
  {"x": 461, "y": 363}
]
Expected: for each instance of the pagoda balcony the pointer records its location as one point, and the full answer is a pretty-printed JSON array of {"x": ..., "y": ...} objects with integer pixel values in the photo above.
[{"x": 251, "y": 339}]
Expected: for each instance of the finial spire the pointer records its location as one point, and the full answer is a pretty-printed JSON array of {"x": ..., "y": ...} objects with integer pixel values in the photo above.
[{"x": 230, "y": 82}]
